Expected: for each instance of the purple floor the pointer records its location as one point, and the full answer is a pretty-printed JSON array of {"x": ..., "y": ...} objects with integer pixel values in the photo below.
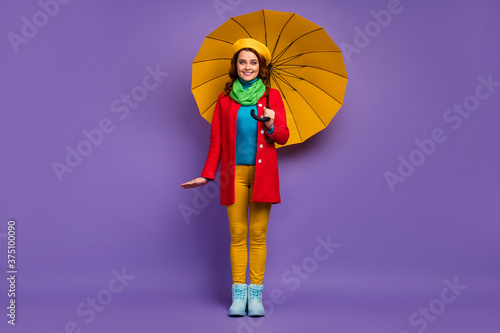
[{"x": 315, "y": 306}]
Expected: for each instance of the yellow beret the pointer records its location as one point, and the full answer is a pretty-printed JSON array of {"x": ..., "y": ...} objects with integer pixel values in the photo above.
[{"x": 254, "y": 44}]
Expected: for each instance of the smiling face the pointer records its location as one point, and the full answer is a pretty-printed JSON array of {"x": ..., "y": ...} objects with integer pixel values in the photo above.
[{"x": 247, "y": 65}]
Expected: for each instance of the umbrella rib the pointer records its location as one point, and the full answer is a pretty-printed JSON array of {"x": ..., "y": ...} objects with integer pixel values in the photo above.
[
  {"x": 242, "y": 27},
  {"x": 284, "y": 80},
  {"x": 218, "y": 39},
  {"x": 305, "y": 100},
  {"x": 208, "y": 107},
  {"x": 265, "y": 29},
  {"x": 279, "y": 35},
  {"x": 295, "y": 56},
  {"x": 307, "y": 66},
  {"x": 289, "y": 45},
  {"x": 286, "y": 101},
  {"x": 313, "y": 84},
  {"x": 214, "y": 78},
  {"x": 213, "y": 59}
]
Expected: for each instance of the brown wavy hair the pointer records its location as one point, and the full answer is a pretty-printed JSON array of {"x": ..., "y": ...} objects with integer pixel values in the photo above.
[{"x": 264, "y": 74}]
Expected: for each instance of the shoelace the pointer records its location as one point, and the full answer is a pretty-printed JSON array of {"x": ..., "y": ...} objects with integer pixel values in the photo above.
[
  {"x": 239, "y": 294},
  {"x": 255, "y": 294}
]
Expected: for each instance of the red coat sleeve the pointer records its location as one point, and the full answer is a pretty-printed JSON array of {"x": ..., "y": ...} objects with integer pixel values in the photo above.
[
  {"x": 214, "y": 151},
  {"x": 281, "y": 133}
]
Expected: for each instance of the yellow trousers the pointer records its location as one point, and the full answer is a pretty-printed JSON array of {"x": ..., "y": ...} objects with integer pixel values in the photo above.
[{"x": 247, "y": 218}]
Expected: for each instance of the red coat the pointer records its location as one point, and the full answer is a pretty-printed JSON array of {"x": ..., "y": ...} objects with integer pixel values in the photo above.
[{"x": 223, "y": 149}]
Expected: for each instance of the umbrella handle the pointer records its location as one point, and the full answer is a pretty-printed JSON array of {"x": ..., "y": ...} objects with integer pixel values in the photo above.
[{"x": 259, "y": 119}]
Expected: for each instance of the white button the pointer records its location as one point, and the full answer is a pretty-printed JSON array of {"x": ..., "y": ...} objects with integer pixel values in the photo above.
[
  {"x": 260, "y": 105},
  {"x": 261, "y": 145},
  {"x": 260, "y": 160},
  {"x": 261, "y": 131}
]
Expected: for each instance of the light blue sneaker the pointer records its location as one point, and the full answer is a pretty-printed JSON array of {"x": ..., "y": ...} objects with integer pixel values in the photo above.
[
  {"x": 255, "y": 307},
  {"x": 239, "y": 306}
]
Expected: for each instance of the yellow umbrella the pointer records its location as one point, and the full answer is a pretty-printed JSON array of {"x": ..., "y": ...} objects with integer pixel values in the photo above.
[{"x": 306, "y": 66}]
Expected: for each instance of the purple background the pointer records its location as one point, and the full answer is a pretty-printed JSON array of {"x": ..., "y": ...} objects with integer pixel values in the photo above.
[{"x": 120, "y": 208}]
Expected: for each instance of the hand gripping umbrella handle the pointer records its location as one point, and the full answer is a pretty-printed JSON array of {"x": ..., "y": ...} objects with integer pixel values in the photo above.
[
  {"x": 257, "y": 117},
  {"x": 261, "y": 119}
]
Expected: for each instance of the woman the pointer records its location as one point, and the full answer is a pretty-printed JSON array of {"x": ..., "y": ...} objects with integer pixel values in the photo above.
[{"x": 245, "y": 150}]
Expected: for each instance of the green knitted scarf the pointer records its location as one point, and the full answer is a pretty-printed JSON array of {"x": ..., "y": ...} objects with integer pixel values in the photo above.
[{"x": 251, "y": 95}]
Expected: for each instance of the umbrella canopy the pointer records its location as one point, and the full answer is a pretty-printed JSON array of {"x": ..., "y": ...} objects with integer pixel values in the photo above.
[{"x": 306, "y": 67}]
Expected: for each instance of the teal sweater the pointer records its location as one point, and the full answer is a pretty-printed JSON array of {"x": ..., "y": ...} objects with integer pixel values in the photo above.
[{"x": 246, "y": 131}]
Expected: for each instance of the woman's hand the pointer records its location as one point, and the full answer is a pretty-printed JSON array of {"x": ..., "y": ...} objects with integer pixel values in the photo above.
[
  {"x": 200, "y": 181},
  {"x": 269, "y": 113}
]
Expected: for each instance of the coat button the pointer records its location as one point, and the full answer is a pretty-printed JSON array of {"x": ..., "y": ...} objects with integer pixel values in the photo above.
[
  {"x": 261, "y": 131},
  {"x": 260, "y": 160},
  {"x": 261, "y": 145},
  {"x": 260, "y": 105}
]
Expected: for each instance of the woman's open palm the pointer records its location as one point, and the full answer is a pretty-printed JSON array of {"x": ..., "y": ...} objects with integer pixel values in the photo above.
[{"x": 200, "y": 181}]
